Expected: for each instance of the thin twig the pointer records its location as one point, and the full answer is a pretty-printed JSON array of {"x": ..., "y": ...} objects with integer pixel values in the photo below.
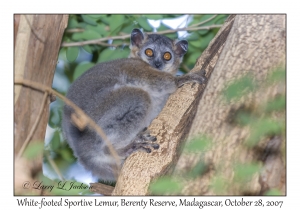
[
  {"x": 205, "y": 21},
  {"x": 34, "y": 125},
  {"x": 74, "y": 30},
  {"x": 55, "y": 168},
  {"x": 97, "y": 41},
  {"x": 186, "y": 68},
  {"x": 78, "y": 111},
  {"x": 188, "y": 29},
  {"x": 113, "y": 45}
]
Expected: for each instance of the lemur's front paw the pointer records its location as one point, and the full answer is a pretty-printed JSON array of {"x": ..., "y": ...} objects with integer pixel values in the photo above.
[{"x": 144, "y": 140}]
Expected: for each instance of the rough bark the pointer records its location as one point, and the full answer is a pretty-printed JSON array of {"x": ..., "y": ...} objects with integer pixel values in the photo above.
[
  {"x": 170, "y": 127},
  {"x": 256, "y": 45},
  {"x": 37, "y": 43}
]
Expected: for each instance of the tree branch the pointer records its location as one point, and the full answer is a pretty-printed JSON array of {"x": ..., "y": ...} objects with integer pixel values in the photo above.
[{"x": 126, "y": 36}]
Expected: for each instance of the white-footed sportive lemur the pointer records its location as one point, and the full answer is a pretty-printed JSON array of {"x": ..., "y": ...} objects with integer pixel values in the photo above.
[{"x": 123, "y": 96}]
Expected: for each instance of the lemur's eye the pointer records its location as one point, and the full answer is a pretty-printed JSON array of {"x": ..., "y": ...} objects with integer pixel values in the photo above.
[
  {"x": 149, "y": 52},
  {"x": 167, "y": 56}
]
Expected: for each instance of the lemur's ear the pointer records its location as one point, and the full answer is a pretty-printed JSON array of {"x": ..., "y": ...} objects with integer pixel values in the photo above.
[
  {"x": 181, "y": 47},
  {"x": 137, "y": 37}
]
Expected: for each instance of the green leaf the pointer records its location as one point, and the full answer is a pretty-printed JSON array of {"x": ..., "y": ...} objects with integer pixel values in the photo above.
[
  {"x": 90, "y": 34},
  {"x": 33, "y": 150},
  {"x": 218, "y": 185},
  {"x": 154, "y": 17},
  {"x": 77, "y": 36},
  {"x": 144, "y": 23},
  {"x": 276, "y": 104},
  {"x": 55, "y": 142},
  {"x": 165, "y": 185},
  {"x": 106, "y": 55},
  {"x": 244, "y": 172},
  {"x": 220, "y": 19},
  {"x": 197, "y": 144},
  {"x": 172, "y": 35},
  {"x": 197, "y": 170},
  {"x": 162, "y": 27},
  {"x": 89, "y": 20},
  {"x": 72, "y": 53},
  {"x": 88, "y": 48},
  {"x": 97, "y": 17},
  {"x": 81, "y": 68},
  {"x": 279, "y": 75},
  {"x": 193, "y": 58},
  {"x": 272, "y": 192},
  {"x": 263, "y": 127},
  {"x": 116, "y": 23},
  {"x": 196, "y": 44},
  {"x": 239, "y": 88},
  {"x": 204, "y": 40},
  {"x": 206, "y": 17},
  {"x": 100, "y": 29},
  {"x": 244, "y": 118},
  {"x": 72, "y": 22},
  {"x": 55, "y": 114},
  {"x": 67, "y": 155}
]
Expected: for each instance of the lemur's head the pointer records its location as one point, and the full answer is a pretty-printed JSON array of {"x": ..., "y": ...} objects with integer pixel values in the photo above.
[{"x": 159, "y": 51}]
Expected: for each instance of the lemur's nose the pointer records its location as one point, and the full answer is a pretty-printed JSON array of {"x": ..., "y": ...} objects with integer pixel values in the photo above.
[{"x": 157, "y": 64}]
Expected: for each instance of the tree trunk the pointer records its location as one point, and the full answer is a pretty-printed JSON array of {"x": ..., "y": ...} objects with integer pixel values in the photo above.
[
  {"x": 37, "y": 42},
  {"x": 256, "y": 44}
]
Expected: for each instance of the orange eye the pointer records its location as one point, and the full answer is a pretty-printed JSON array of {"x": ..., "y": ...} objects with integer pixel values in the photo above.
[
  {"x": 167, "y": 56},
  {"x": 149, "y": 52}
]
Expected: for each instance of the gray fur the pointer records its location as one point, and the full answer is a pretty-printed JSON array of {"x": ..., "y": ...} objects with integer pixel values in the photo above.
[{"x": 123, "y": 96}]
